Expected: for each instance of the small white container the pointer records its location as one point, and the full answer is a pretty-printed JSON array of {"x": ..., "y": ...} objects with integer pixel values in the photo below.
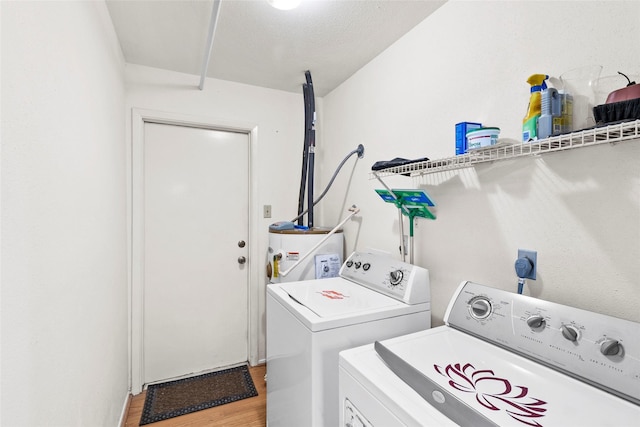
[{"x": 483, "y": 137}]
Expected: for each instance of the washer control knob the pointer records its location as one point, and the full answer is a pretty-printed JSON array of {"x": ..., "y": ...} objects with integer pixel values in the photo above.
[
  {"x": 536, "y": 323},
  {"x": 569, "y": 332},
  {"x": 610, "y": 347},
  {"x": 480, "y": 308},
  {"x": 395, "y": 277}
]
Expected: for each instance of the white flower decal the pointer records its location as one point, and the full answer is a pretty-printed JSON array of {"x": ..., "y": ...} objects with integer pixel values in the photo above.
[{"x": 495, "y": 393}]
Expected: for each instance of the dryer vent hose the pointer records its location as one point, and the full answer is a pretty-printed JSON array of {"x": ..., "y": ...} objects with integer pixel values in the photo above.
[{"x": 360, "y": 152}]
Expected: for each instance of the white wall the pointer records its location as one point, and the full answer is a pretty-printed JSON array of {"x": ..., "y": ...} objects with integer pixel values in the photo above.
[
  {"x": 64, "y": 297},
  {"x": 279, "y": 119},
  {"x": 469, "y": 61},
  {"x": 64, "y": 282}
]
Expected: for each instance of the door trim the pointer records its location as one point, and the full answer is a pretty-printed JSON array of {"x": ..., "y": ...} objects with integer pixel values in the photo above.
[{"x": 138, "y": 118}]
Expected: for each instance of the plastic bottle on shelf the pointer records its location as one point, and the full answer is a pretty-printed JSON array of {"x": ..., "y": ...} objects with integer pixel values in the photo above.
[
  {"x": 566, "y": 118},
  {"x": 530, "y": 121},
  {"x": 551, "y": 113}
]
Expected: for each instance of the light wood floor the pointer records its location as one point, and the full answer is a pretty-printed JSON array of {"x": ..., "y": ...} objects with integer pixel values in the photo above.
[{"x": 250, "y": 412}]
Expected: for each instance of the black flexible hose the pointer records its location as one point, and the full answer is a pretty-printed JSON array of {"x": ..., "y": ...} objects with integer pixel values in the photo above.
[
  {"x": 312, "y": 148},
  {"x": 305, "y": 150}
]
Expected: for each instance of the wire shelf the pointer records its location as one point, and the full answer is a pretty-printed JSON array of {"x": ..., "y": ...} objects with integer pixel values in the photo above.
[{"x": 601, "y": 135}]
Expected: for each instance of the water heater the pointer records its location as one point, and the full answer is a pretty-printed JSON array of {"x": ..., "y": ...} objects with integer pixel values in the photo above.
[{"x": 287, "y": 247}]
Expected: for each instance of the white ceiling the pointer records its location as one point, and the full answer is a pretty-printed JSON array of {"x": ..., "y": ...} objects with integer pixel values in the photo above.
[{"x": 262, "y": 46}]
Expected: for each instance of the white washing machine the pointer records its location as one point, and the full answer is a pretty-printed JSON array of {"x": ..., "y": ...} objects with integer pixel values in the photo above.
[
  {"x": 502, "y": 359},
  {"x": 309, "y": 322}
]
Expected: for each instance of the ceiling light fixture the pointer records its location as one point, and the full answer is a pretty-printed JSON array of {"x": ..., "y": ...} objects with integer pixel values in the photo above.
[{"x": 284, "y": 4}]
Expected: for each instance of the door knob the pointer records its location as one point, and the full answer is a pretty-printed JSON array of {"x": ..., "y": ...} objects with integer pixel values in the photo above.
[
  {"x": 241, "y": 260},
  {"x": 241, "y": 244}
]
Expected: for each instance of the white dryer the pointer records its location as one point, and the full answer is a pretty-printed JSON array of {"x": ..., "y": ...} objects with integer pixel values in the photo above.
[
  {"x": 310, "y": 322},
  {"x": 501, "y": 359}
]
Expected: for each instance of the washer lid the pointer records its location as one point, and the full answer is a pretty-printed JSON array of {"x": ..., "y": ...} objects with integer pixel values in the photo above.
[{"x": 337, "y": 297}]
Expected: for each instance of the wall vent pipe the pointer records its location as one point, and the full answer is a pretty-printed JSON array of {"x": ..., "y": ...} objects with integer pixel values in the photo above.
[{"x": 215, "y": 13}]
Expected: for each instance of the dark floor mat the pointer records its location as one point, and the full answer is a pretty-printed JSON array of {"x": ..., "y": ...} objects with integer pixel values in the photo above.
[{"x": 180, "y": 397}]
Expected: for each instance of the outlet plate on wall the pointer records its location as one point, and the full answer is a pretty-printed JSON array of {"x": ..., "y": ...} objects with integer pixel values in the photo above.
[{"x": 533, "y": 257}]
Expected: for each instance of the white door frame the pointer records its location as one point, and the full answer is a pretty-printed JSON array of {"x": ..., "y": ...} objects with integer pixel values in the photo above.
[{"x": 138, "y": 118}]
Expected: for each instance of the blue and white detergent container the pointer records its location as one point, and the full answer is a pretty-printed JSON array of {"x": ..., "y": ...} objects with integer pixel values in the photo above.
[
  {"x": 556, "y": 113},
  {"x": 482, "y": 138},
  {"x": 461, "y": 135},
  {"x": 551, "y": 110}
]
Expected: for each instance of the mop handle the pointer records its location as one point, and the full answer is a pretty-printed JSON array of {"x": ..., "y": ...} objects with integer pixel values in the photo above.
[
  {"x": 354, "y": 210},
  {"x": 401, "y": 207}
]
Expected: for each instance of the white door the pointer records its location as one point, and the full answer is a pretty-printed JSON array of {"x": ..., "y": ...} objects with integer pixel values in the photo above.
[{"x": 195, "y": 222}]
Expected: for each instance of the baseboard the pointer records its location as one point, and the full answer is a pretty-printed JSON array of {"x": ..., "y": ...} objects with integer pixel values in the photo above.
[{"x": 125, "y": 410}]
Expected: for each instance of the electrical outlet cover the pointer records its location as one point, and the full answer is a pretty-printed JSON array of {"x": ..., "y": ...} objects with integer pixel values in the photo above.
[{"x": 533, "y": 257}]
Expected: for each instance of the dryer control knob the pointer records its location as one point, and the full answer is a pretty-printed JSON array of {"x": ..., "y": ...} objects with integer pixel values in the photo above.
[
  {"x": 480, "y": 308},
  {"x": 611, "y": 347},
  {"x": 569, "y": 332},
  {"x": 395, "y": 277},
  {"x": 536, "y": 323}
]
